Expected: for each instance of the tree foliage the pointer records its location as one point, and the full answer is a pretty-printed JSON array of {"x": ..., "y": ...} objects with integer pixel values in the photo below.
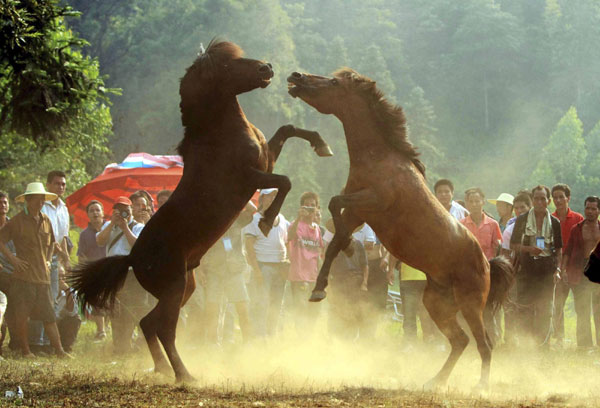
[
  {"x": 45, "y": 83},
  {"x": 53, "y": 102},
  {"x": 484, "y": 83}
]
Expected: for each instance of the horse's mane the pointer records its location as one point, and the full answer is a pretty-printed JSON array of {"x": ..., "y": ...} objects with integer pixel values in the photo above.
[
  {"x": 389, "y": 117},
  {"x": 197, "y": 89}
]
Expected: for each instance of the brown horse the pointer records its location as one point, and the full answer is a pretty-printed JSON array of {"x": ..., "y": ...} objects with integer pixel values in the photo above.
[
  {"x": 386, "y": 189},
  {"x": 226, "y": 160}
]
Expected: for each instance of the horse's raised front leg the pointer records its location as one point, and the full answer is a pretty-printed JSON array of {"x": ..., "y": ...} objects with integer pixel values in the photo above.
[
  {"x": 344, "y": 225},
  {"x": 268, "y": 180},
  {"x": 285, "y": 132}
]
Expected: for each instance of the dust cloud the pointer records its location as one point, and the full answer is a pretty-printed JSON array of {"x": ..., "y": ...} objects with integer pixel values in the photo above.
[{"x": 294, "y": 362}]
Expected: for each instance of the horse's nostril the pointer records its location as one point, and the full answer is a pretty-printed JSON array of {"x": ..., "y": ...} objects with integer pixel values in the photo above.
[
  {"x": 296, "y": 75},
  {"x": 265, "y": 68}
]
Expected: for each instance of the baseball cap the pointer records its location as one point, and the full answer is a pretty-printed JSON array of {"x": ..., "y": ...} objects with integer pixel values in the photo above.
[{"x": 122, "y": 200}]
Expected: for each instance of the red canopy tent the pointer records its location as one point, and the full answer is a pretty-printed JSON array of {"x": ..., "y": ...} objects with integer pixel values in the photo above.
[{"x": 139, "y": 171}]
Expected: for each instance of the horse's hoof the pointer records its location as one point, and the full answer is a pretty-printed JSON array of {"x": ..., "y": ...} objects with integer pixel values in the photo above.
[
  {"x": 186, "y": 379},
  {"x": 433, "y": 385},
  {"x": 264, "y": 227},
  {"x": 482, "y": 388},
  {"x": 323, "y": 151},
  {"x": 317, "y": 296},
  {"x": 163, "y": 370}
]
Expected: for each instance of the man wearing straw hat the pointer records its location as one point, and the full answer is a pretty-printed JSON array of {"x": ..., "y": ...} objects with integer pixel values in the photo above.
[
  {"x": 33, "y": 237},
  {"x": 504, "y": 206}
]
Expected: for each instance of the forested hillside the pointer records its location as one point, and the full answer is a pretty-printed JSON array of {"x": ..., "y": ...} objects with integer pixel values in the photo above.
[{"x": 500, "y": 94}]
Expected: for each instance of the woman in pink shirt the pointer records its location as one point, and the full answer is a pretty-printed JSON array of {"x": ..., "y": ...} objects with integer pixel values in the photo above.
[{"x": 305, "y": 246}]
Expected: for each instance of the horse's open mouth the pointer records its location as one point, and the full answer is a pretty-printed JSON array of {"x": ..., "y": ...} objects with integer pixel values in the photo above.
[
  {"x": 265, "y": 82},
  {"x": 293, "y": 89},
  {"x": 294, "y": 85}
]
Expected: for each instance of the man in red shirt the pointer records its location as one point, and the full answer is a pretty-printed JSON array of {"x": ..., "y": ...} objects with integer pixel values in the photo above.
[
  {"x": 583, "y": 239},
  {"x": 561, "y": 195}
]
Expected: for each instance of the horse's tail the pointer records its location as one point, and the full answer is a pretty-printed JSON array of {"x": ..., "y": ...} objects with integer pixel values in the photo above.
[
  {"x": 98, "y": 282},
  {"x": 502, "y": 277}
]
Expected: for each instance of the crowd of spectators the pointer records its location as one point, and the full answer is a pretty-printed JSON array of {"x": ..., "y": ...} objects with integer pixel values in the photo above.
[{"x": 244, "y": 276}]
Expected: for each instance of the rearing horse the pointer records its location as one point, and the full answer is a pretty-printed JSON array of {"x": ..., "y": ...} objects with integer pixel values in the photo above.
[
  {"x": 386, "y": 189},
  {"x": 226, "y": 160}
]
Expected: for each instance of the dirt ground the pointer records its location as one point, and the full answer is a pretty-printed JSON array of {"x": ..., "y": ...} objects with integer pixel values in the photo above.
[{"x": 302, "y": 374}]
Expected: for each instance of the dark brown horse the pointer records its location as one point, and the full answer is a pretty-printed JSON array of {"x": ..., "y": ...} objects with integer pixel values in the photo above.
[
  {"x": 386, "y": 189},
  {"x": 226, "y": 160},
  {"x": 592, "y": 268}
]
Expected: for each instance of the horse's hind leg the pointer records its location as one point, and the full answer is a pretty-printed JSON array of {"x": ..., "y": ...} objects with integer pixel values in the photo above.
[
  {"x": 149, "y": 325},
  {"x": 472, "y": 310},
  {"x": 344, "y": 225},
  {"x": 285, "y": 132},
  {"x": 442, "y": 308},
  {"x": 169, "y": 305}
]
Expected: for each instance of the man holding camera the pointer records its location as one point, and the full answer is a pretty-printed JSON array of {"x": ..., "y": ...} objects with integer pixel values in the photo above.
[
  {"x": 305, "y": 244},
  {"x": 119, "y": 235},
  {"x": 537, "y": 240}
]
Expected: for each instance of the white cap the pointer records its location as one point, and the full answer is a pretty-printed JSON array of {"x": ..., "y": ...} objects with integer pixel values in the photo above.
[{"x": 504, "y": 197}]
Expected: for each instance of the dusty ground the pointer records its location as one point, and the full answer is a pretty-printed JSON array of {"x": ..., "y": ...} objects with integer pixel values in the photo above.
[{"x": 301, "y": 374}]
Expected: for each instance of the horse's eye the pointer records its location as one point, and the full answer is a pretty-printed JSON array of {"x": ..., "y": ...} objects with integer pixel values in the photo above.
[{"x": 334, "y": 81}]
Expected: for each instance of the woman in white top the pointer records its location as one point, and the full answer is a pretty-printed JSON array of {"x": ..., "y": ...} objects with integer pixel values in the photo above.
[{"x": 267, "y": 257}]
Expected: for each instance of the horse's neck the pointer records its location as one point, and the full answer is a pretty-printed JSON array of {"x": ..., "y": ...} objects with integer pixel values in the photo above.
[
  {"x": 362, "y": 133},
  {"x": 222, "y": 113}
]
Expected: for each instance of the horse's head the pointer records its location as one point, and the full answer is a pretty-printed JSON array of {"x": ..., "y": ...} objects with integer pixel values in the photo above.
[
  {"x": 327, "y": 95},
  {"x": 222, "y": 68}
]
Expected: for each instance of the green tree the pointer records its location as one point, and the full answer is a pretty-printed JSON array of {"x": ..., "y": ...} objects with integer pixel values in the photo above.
[
  {"x": 574, "y": 29},
  {"x": 423, "y": 132},
  {"x": 44, "y": 82},
  {"x": 54, "y": 112},
  {"x": 563, "y": 157},
  {"x": 591, "y": 168}
]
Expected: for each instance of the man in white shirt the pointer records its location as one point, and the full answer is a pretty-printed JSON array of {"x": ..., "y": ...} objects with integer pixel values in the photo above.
[
  {"x": 444, "y": 192},
  {"x": 119, "y": 235},
  {"x": 268, "y": 260},
  {"x": 58, "y": 213}
]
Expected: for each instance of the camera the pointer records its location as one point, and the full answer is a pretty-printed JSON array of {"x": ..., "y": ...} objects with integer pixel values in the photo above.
[
  {"x": 124, "y": 214},
  {"x": 309, "y": 210}
]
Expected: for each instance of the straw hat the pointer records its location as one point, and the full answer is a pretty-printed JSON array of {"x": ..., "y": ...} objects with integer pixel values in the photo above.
[
  {"x": 504, "y": 197},
  {"x": 36, "y": 189},
  {"x": 331, "y": 227}
]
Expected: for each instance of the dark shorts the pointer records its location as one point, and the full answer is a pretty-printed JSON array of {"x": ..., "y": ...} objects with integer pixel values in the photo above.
[{"x": 33, "y": 299}]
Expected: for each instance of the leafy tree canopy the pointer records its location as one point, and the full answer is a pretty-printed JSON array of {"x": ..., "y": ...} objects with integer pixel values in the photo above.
[{"x": 45, "y": 82}]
